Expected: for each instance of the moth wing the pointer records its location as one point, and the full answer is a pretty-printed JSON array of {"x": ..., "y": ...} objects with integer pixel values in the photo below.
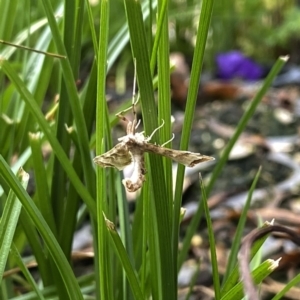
[
  {"x": 186, "y": 158},
  {"x": 118, "y": 157}
]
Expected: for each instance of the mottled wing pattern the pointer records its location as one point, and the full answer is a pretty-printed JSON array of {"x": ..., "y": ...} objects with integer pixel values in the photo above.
[
  {"x": 118, "y": 157},
  {"x": 186, "y": 158}
]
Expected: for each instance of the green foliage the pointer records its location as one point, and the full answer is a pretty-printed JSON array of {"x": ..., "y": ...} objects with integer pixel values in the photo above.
[
  {"x": 287, "y": 30},
  {"x": 54, "y": 142},
  {"x": 256, "y": 27}
]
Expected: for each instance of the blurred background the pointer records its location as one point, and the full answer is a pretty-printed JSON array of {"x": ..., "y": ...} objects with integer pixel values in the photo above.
[{"x": 245, "y": 39}]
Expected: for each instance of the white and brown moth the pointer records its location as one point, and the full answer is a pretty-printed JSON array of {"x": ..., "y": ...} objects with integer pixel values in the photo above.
[{"x": 131, "y": 149}]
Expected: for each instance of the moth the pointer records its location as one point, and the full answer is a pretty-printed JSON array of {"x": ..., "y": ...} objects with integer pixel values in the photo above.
[{"x": 131, "y": 149}]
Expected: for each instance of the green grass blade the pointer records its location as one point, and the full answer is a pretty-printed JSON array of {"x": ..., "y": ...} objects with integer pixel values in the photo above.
[
  {"x": 7, "y": 126},
  {"x": 192, "y": 228},
  {"x": 35, "y": 111},
  {"x": 91, "y": 25},
  {"x": 25, "y": 271},
  {"x": 161, "y": 198},
  {"x": 64, "y": 112},
  {"x": 203, "y": 26},
  {"x": 9, "y": 222},
  {"x": 258, "y": 275},
  {"x": 49, "y": 239},
  {"x": 164, "y": 93},
  {"x": 232, "y": 260},
  {"x": 212, "y": 244},
  {"x": 9, "y": 13},
  {"x": 22, "y": 36},
  {"x": 105, "y": 288},
  {"x": 294, "y": 282},
  {"x": 34, "y": 240},
  {"x": 235, "y": 274},
  {"x": 162, "y": 26},
  {"x": 73, "y": 98},
  {"x": 244, "y": 120},
  {"x": 86, "y": 282},
  {"x": 42, "y": 189},
  {"x": 119, "y": 41},
  {"x": 22, "y": 159},
  {"x": 124, "y": 258},
  {"x": 151, "y": 227}
]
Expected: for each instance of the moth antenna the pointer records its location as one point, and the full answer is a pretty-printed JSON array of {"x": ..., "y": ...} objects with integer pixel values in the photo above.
[
  {"x": 131, "y": 125},
  {"x": 134, "y": 101},
  {"x": 159, "y": 127},
  {"x": 170, "y": 140}
]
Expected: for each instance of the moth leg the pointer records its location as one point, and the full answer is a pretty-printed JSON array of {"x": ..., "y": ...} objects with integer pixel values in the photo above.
[
  {"x": 135, "y": 97},
  {"x": 170, "y": 140},
  {"x": 152, "y": 134}
]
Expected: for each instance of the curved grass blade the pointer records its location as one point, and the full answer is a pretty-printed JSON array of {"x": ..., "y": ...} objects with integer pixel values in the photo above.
[
  {"x": 49, "y": 239},
  {"x": 125, "y": 261},
  {"x": 61, "y": 155},
  {"x": 9, "y": 221},
  {"x": 232, "y": 260},
  {"x": 244, "y": 120},
  {"x": 202, "y": 32}
]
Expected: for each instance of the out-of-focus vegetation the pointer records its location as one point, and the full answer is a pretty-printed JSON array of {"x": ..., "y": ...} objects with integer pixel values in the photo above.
[
  {"x": 260, "y": 29},
  {"x": 54, "y": 114}
]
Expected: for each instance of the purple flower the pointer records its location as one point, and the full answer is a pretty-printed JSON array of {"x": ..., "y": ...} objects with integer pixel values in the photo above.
[{"x": 234, "y": 64}]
